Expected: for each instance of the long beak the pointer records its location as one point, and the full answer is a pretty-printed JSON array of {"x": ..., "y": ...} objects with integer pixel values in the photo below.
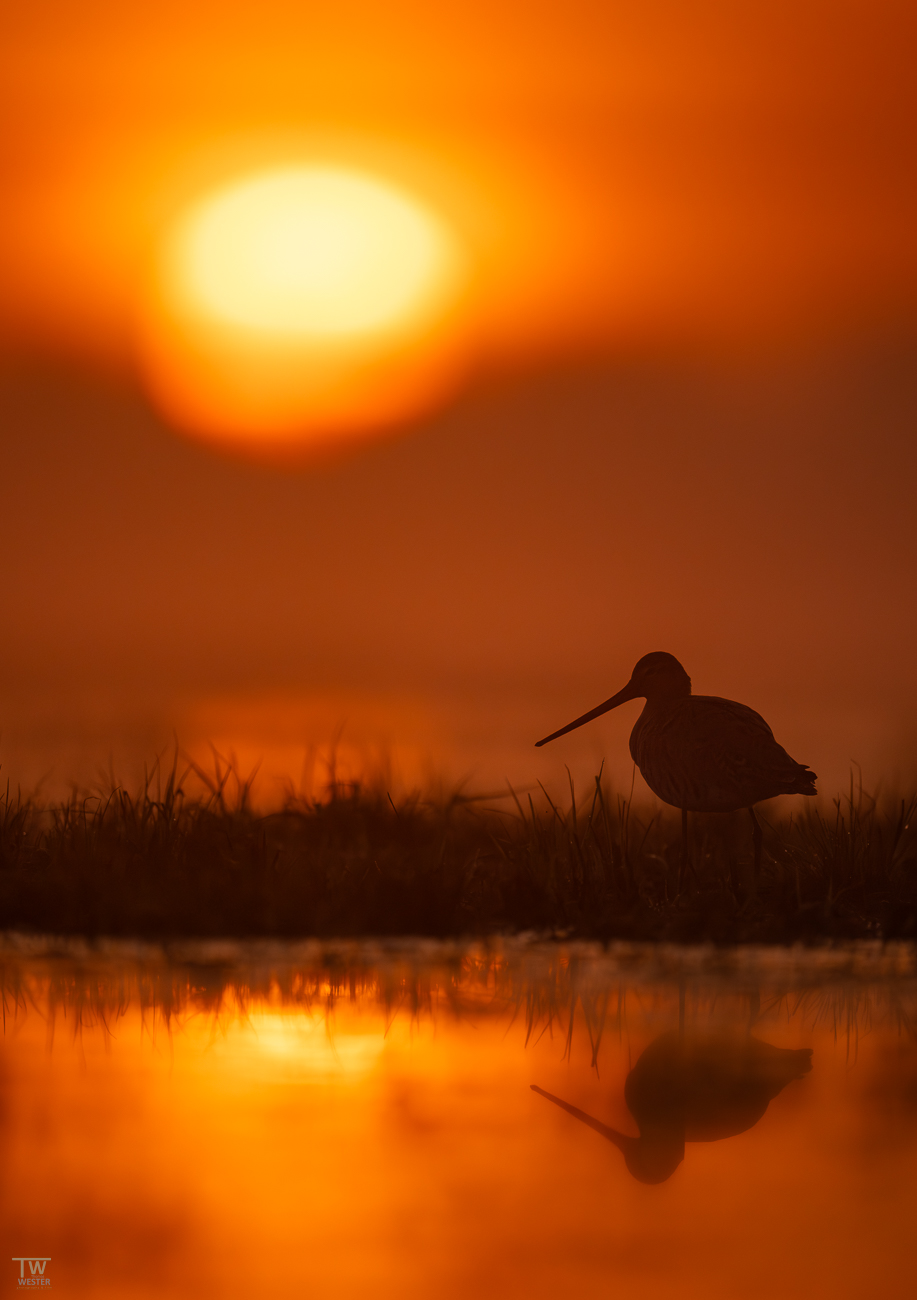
[
  {"x": 630, "y": 692},
  {"x": 620, "y": 1140}
]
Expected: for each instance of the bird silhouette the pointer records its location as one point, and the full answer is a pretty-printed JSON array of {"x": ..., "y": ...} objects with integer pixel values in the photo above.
[
  {"x": 699, "y": 1088},
  {"x": 701, "y": 753}
]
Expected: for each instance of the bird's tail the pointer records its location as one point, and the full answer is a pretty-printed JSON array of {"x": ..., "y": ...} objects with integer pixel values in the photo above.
[{"x": 805, "y": 781}]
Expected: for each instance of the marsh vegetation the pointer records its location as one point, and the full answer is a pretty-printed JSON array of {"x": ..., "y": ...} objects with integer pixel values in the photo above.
[{"x": 164, "y": 862}]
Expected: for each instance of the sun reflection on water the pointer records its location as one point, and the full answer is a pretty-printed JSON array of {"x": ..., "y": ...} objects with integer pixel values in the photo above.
[
  {"x": 303, "y": 1046},
  {"x": 235, "y": 1119}
]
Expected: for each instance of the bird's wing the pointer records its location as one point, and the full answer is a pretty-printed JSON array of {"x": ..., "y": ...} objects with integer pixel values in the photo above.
[
  {"x": 728, "y": 722},
  {"x": 730, "y": 744}
]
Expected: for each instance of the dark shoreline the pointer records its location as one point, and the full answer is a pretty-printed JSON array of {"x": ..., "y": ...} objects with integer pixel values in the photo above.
[{"x": 353, "y": 865}]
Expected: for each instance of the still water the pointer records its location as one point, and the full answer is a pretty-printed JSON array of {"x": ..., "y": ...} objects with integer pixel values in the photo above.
[{"x": 425, "y": 1120}]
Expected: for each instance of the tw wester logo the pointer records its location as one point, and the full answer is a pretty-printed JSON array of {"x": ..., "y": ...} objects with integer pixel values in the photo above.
[{"x": 36, "y": 1275}]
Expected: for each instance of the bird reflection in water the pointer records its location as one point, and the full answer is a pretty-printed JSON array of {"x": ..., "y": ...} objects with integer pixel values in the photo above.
[{"x": 697, "y": 1088}]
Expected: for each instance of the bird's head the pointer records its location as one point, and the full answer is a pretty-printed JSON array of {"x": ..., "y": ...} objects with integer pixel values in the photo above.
[
  {"x": 657, "y": 676},
  {"x": 652, "y": 1160}
]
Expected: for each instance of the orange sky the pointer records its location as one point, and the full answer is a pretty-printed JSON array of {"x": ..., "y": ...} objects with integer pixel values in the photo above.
[
  {"x": 690, "y": 425},
  {"x": 620, "y": 170}
]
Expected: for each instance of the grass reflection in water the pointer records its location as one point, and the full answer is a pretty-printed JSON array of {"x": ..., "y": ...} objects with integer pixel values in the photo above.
[{"x": 230, "y": 1119}]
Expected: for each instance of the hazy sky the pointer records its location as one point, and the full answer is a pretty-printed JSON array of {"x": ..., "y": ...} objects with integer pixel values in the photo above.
[
  {"x": 691, "y": 426},
  {"x": 463, "y": 591}
]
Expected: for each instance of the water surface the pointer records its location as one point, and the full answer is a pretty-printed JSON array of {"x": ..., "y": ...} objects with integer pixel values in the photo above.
[{"x": 422, "y": 1119}]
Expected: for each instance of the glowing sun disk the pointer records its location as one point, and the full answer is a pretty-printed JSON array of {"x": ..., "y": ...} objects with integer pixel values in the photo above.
[{"x": 319, "y": 253}]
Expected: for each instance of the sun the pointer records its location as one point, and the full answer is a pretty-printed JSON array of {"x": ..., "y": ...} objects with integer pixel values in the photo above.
[
  {"x": 312, "y": 252},
  {"x": 301, "y": 303}
]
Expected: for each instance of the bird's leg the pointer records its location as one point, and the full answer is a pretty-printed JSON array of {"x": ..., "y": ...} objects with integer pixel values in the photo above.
[
  {"x": 683, "y": 869},
  {"x": 756, "y": 840}
]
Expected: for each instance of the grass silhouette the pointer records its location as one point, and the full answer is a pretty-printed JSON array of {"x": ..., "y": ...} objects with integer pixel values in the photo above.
[{"x": 165, "y": 863}]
